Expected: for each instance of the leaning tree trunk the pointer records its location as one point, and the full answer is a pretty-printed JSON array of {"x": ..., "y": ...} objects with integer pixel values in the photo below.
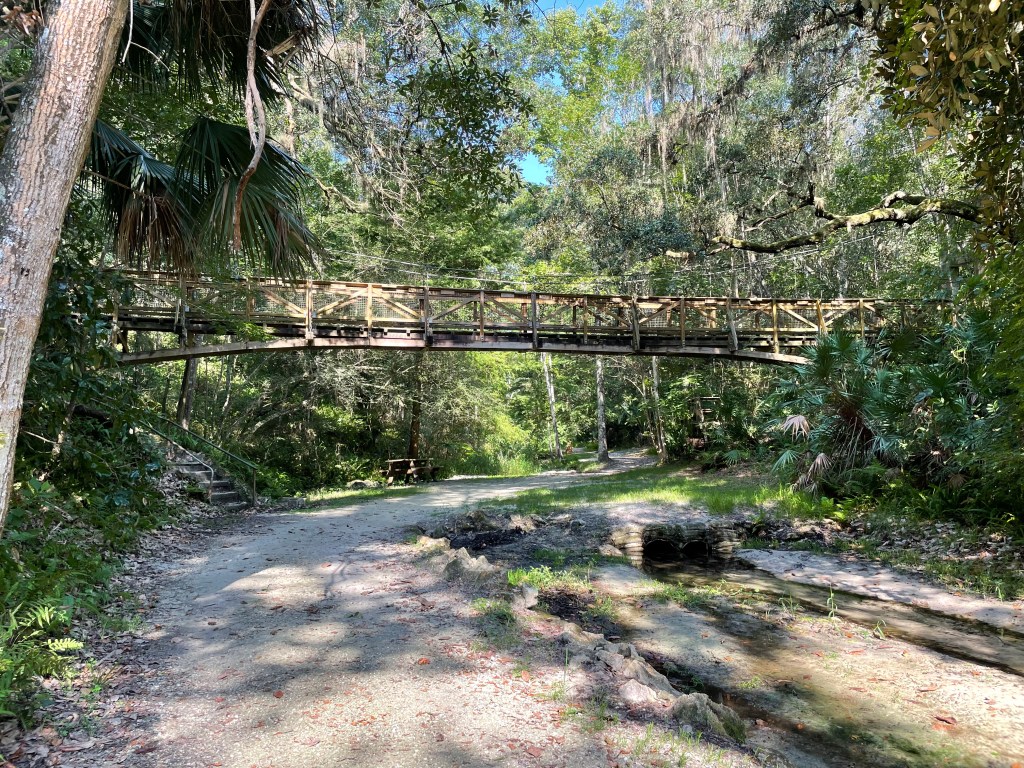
[
  {"x": 45, "y": 148},
  {"x": 602, "y": 424},
  {"x": 549, "y": 380}
]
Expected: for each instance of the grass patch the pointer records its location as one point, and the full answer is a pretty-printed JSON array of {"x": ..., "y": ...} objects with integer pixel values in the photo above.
[
  {"x": 498, "y": 622},
  {"x": 333, "y": 496},
  {"x": 671, "y": 485},
  {"x": 574, "y": 578}
]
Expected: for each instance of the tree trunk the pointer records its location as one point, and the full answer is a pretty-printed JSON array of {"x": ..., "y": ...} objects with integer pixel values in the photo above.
[
  {"x": 602, "y": 424},
  {"x": 45, "y": 148},
  {"x": 549, "y": 380},
  {"x": 658, "y": 421},
  {"x": 187, "y": 392}
]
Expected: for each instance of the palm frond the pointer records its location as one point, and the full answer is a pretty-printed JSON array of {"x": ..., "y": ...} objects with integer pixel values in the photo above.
[
  {"x": 275, "y": 238},
  {"x": 202, "y": 41},
  {"x": 151, "y": 214}
]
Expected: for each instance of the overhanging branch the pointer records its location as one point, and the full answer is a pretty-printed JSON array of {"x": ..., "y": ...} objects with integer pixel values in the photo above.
[{"x": 916, "y": 209}]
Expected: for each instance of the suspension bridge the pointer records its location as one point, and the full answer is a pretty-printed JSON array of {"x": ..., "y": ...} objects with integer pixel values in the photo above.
[{"x": 161, "y": 316}]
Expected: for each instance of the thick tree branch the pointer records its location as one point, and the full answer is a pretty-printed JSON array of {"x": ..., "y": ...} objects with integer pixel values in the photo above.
[{"x": 918, "y": 207}]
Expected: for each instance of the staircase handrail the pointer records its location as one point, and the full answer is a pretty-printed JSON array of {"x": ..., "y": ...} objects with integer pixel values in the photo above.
[{"x": 253, "y": 468}]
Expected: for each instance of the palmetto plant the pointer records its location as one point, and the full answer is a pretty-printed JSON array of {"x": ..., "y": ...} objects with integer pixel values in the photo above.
[
  {"x": 921, "y": 405},
  {"x": 209, "y": 206},
  {"x": 843, "y": 415}
]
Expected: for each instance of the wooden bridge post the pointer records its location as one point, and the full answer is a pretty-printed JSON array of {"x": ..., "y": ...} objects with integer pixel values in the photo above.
[
  {"x": 114, "y": 331},
  {"x": 533, "y": 316},
  {"x": 309, "y": 309},
  {"x": 482, "y": 300},
  {"x": 635, "y": 322},
  {"x": 860, "y": 313},
  {"x": 425, "y": 309},
  {"x": 734, "y": 342},
  {"x": 821, "y": 318},
  {"x": 682, "y": 321},
  {"x": 775, "y": 327},
  {"x": 584, "y": 319},
  {"x": 369, "y": 308}
]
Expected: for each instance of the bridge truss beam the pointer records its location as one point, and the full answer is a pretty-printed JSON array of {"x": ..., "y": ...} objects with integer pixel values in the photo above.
[{"x": 261, "y": 314}]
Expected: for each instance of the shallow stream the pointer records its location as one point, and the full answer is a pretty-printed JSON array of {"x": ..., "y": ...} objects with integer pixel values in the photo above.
[{"x": 835, "y": 679}]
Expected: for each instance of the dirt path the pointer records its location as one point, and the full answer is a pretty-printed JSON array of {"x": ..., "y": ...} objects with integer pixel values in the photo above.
[{"x": 314, "y": 639}]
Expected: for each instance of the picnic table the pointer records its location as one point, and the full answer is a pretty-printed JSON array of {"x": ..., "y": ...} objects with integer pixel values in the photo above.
[{"x": 409, "y": 471}]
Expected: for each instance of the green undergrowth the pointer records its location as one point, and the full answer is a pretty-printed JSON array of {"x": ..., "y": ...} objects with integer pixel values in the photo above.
[
  {"x": 676, "y": 485},
  {"x": 60, "y": 551}
]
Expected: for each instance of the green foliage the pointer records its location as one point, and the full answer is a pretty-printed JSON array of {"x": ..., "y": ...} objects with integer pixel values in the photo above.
[
  {"x": 917, "y": 421},
  {"x": 84, "y": 479},
  {"x": 31, "y": 646}
]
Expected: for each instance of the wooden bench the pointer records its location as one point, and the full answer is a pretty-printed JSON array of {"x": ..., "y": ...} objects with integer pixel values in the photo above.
[{"x": 409, "y": 471}]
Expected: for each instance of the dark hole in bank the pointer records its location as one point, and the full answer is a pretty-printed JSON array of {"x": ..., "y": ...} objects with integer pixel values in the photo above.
[{"x": 665, "y": 551}]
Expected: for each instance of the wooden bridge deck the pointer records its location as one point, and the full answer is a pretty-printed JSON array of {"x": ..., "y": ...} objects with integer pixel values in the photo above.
[{"x": 206, "y": 317}]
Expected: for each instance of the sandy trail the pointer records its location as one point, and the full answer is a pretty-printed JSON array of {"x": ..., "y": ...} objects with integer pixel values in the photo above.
[{"x": 313, "y": 639}]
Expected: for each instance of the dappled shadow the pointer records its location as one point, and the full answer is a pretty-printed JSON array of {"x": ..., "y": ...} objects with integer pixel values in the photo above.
[{"x": 310, "y": 643}]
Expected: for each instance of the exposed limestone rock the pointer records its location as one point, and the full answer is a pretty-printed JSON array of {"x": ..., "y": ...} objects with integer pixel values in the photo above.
[
  {"x": 719, "y": 537},
  {"x": 634, "y": 692},
  {"x": 526, "y": 598},
  {"x": 702, "y": 713},
  {"x": 463, "y": 566}
]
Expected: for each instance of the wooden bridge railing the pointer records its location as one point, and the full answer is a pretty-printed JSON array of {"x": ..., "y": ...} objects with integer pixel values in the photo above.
[{"x": 355, "y": 314}]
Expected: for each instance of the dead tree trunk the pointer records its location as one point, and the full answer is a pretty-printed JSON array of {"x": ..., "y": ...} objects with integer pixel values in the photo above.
[
  {"x": 417, "y": 411},
  {"x": 48, "y": 139},
  {"x": 549, "y": 380},
  {"x": 187, "y": 392},
  {"x": 656, "y": 415},
  {"x": 602, "y": 424}
]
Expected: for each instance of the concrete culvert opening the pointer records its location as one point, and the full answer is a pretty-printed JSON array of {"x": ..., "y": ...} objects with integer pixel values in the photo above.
[
  {"x": 661, "y": 551},
  {"x": 695, "y": 550}
]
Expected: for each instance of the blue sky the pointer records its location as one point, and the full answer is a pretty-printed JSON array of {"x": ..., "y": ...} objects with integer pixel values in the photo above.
[{"x": 533, "y": 170}]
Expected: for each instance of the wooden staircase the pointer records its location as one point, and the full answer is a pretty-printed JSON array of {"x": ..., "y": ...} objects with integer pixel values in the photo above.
[{"x": 220, "y": 489}]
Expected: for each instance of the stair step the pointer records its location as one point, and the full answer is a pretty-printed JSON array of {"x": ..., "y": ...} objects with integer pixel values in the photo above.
[
  {"x": 196, "y": 474},
  {"x": 192, "y": 467},
  {"x": 222, "y": 485},
  {"x": 235, "y": 506},
  {"x": 224, "y": 497}
]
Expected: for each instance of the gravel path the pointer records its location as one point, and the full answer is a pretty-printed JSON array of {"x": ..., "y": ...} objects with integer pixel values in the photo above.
[{"x": 315, "y": 639}]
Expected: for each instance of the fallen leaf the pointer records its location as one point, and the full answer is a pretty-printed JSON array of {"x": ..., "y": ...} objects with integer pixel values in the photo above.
[
  {"x": 424, "y": 660},
  {"x": 525, "y": 675},
  {"x": 534, "y": 751},
  {"x": 948, "y": 719},
  {"x": 278, "y": 694},
  {"x": 800, "y": 726},
  {"x": 220, "y": 699},
  {"x": 928, "y": 688}
]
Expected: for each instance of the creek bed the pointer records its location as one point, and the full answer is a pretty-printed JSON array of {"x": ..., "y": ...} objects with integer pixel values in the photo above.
[{"x": 835, "y": 680}]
